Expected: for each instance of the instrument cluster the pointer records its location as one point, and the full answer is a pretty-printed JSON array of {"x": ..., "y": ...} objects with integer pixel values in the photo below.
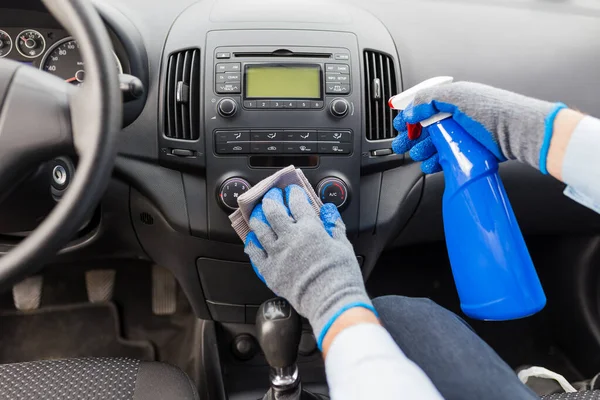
[{"x": 51, "y": 50}]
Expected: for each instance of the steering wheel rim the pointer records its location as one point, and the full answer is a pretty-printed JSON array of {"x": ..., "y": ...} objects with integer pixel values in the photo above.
[{"x": 89, "y": 123}]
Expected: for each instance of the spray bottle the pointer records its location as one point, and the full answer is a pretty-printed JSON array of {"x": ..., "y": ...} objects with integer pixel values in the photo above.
[{"x": 492, "y": 268}]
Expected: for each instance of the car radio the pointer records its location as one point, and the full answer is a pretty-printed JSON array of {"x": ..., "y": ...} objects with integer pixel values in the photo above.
[{"x": 254, "y": 84}]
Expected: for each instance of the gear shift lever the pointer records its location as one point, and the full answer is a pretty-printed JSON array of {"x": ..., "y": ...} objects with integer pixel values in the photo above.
[{"x": 278, "y": 328}]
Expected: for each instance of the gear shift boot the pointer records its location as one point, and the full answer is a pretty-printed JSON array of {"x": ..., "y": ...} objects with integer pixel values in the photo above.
[
  {"x": 296, "y": 394},
  {"x": 284, "y": 378}
]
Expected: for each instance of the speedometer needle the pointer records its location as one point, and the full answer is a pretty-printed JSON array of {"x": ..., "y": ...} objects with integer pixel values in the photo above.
[{"x": 73, "y": 79}]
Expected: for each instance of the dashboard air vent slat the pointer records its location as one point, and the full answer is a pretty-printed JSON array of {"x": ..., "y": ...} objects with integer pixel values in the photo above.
[
  {"x": 182, "y": 96},
  {"x": 380, "y": 85}
]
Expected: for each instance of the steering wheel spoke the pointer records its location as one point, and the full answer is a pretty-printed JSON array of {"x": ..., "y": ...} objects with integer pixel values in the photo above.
[{"x": 35, "y": 121}]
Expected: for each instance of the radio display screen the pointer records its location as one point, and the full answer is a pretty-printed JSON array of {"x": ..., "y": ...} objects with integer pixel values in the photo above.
[{"x": 281, "y": 81}]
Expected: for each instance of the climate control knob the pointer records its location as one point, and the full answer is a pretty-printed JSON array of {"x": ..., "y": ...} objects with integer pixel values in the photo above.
[
  {"x": 227, "y": 107},
  {"x": 333, "y": 190},
  {"x": 230, "y": 191},
  {"x": 339, "y": 108}
]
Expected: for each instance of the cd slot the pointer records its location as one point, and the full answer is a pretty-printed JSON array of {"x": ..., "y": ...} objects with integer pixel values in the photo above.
[{"x": 281, "y": 53}]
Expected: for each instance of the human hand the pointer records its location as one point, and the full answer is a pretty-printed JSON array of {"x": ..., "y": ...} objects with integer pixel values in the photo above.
[
  {"x": 305, "y": 258},
  {"x": 509, "y": 125}
]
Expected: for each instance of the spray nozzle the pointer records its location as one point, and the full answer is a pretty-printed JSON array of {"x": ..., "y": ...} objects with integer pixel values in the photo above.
[{"x": 402, "y": 100}]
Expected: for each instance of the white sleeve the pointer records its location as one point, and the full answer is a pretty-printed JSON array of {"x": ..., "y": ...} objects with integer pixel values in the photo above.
[
  {"x": 364, "y": 362},
  {"x": 581, "y": 164}
]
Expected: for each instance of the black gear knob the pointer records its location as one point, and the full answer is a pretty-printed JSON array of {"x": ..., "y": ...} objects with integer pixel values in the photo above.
[{"x": 278, "y": 329}]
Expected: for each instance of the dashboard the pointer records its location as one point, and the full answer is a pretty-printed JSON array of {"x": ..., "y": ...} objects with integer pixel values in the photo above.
[
  {"x": 51, "y": 50},
  {"x": 236, "y": 90}
]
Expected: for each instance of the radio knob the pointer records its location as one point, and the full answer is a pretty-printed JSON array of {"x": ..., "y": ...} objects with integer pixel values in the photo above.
[
  {"x": 339, "y": 108},
  {"x": 227, "y": 107}
]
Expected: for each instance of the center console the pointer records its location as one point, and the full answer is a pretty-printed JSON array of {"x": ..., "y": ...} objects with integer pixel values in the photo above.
[
  {"x": 244, "y": 93},
  {"x": 268, "y": 106},
  {"x": 246, "y": 89}
]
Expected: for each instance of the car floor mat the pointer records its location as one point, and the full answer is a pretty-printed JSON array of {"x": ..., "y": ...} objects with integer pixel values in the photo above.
[{"x": 80, "y": 330}]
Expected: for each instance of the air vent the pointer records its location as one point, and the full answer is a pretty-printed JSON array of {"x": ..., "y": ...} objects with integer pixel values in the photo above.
[
  {"x": 380, "y": 81},
  {"x": 182, "y": 96}
]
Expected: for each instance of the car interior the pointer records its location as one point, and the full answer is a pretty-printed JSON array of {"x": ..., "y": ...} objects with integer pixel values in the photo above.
[{"x": 121, "y": 276}]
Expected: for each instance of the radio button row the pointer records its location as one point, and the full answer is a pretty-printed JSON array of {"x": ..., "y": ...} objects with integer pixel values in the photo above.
[
  {"x": 333, "y": 77},
  {"x": 300, "y": 148},
  {"x": 228, "y": 88},
  {"x": 300, "y": 136},
  {"x": 277, "y": 104},
  {"x": 266, "y": 136},
  {"x": 306, "y": 135},
  {"x": 232, "y": 136},
  {"x": 335, "y": 136},
  {"x": 228, "y": 67},
  {"x": 337, "y": 88},
  {"x": 228, "y": 77},
  {"x": 283, "y": 147},
  {"x": 266, "y": 148},
  {"x": 233, "y": 148},
  {"x": 236, "y": 143},
  {"x": 341, "y": 68},
  {"x": 335, "y": 148}
]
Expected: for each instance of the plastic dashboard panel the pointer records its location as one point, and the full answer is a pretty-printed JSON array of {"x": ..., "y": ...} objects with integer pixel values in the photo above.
[
  {"x": 191, "y": 191},
  {"x": 513, "y": 58},
  {"x": 237, "y": 24},
  {"x": 544, "y": 49},
  {"x": 388, "y": 199}
]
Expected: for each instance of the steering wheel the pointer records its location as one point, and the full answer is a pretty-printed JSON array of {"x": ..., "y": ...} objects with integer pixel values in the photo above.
[{"x": 41, "y": 117}]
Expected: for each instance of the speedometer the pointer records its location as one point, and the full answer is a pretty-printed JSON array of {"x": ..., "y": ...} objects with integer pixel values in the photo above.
[
  {"x": 64, "y": 60},
  {"x": 5, "y": 44}
]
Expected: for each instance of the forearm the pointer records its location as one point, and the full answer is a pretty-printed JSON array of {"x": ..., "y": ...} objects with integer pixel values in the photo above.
[
  {"x": 354, "y": 316},
  {"x": 363, "y": 362},
  {"x": 573, "y": 156},
  {"x": 564, "y": 124}
]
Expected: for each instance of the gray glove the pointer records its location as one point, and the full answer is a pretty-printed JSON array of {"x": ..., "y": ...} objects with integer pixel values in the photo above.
[
  {"x": 510, "y": 125},
  {"x": 305, "y": 258}
]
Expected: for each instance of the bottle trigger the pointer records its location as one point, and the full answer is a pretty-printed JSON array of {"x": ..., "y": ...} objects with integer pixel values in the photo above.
[{"x": 414, "y": 131}]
